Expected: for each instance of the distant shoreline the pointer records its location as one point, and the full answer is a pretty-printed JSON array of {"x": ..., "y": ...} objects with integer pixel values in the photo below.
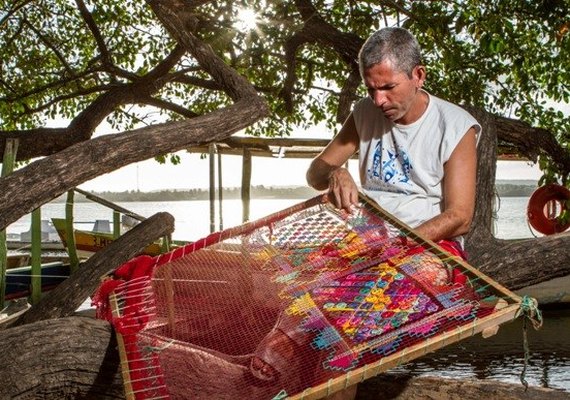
[{"x": 519, "y": 188}]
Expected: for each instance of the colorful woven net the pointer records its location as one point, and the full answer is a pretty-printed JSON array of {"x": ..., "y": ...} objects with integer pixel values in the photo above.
[{"x": 302, "y": 303}]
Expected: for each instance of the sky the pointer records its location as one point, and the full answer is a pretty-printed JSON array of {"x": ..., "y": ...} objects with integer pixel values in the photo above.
[{"x": 193, "y": 173}]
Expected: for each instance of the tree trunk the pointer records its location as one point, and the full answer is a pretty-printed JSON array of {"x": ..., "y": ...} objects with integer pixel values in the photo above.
[
  {"x": 513, "y": 263},
  {"x": 43, "y": 180},
  {"x": 66, "y": 358}
]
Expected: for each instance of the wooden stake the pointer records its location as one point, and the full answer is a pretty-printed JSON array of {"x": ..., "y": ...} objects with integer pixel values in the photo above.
[
  {"x": 220, "y": 192},
  {"x": 212, "y": 188},
  {"x": 70, "y": 232},
  {"x": 36, "y": 279},
  {"x": 246, "y": 183},
  {"x": 7, "y": 167}
]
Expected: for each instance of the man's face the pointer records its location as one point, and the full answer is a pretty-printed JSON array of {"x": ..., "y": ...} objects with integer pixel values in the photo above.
[{"x": 394, "y": 92}]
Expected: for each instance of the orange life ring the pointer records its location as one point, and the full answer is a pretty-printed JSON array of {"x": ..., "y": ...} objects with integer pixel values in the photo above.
[{"x": 545, "y": 205}]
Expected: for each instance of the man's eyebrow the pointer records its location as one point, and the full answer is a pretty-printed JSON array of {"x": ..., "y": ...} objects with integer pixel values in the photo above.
[{"x": 384, "y": 86}]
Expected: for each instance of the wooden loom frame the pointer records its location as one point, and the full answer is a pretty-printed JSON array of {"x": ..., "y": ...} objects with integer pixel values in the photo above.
[
  {"x": 502, "y": 313},
  {"x": 124, "y": 361}
]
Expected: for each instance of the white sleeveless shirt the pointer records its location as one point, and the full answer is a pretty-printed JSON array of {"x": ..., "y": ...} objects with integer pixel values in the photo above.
[{"x": 401, "y": 166}]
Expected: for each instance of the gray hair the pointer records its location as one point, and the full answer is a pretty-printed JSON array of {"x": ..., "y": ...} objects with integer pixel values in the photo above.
[{"x": 396, "y": 45}]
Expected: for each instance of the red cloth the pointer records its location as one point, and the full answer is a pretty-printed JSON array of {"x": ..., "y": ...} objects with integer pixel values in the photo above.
[{"x": 453, "y": 248}]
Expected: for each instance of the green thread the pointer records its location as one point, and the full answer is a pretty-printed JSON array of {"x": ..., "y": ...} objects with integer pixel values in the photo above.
[
  {"x": 528, "y": 309},
  {"x": 281, "y": 395},
  {"x": 159, "y": 348}
]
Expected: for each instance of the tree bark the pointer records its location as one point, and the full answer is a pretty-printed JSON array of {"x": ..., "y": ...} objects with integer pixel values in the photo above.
[
  {"x": 514, "y": 263},
  {"x": 66, "y": 358}
]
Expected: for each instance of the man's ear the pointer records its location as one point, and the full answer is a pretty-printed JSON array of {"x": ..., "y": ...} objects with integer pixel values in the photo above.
[{"x": 419, "y": 75}]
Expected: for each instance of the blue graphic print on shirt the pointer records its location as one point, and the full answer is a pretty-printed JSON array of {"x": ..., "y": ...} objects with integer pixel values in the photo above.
[{"x": 393, "y": 169}]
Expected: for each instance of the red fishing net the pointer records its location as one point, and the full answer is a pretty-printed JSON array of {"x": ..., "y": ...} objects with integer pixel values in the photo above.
[{"x": 302, "y": 303}]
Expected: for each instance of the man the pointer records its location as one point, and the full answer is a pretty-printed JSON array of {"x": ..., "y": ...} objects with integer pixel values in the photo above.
[
  {"x": 417, "y": 158},
  {"x": 417, "y": 153}
]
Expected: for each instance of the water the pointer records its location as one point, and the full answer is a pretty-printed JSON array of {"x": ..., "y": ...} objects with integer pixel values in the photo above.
[
  {"x": 192, "y": 218},
  {"x": 500, "y": 357}
]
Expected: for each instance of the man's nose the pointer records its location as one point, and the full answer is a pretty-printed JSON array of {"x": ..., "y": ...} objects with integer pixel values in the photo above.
[{"x": 379, "y": 98}]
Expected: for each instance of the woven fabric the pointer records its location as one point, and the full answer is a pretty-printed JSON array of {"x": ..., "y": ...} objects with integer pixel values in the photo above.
[{"x": 291, "y": 304}]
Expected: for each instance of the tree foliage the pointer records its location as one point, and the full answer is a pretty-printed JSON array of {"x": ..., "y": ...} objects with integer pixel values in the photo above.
[{"x": 60, "y": 58}]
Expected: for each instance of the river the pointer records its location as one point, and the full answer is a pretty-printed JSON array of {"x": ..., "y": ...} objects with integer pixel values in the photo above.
[{"x": 499, "y": 357}]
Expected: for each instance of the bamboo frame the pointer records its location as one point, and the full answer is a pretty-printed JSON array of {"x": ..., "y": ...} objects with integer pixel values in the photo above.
[
  {"x": 408, "y": 354},
  {"x": 129, "y": 392}
]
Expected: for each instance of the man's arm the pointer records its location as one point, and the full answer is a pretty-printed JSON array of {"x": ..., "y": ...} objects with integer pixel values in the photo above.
[
  {"x": 460, "y": 174},
  {"x": 326, "y": 169}
]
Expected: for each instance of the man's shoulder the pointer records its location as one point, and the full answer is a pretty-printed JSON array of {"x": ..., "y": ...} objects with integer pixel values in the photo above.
[
  {"x": 363, "y": 103},
  {"x": 447, "y": 106},
  {"x": 364, "y": 109}
]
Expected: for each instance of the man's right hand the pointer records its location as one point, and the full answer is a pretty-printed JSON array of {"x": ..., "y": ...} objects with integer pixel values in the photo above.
[
  {"x": 325, "y": 171},
  {"x": 343, "y": 192}
]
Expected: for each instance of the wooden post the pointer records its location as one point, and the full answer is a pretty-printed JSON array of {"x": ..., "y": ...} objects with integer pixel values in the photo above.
[
  {"x": 211, "y": 149},
  {"x": 246, "y": 183},
  {"x": 109, "y": 204},
  {"x": 7, "y": 167},
  {"x": 220, "y": 192},
  {"x": 116, "y": 224},
  {"x": 36, "y": 280},
  {"x": 70, "y": 232}
]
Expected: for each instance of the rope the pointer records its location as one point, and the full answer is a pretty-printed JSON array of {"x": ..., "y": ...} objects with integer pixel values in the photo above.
[
  {"x": 38, "y": 276},
  {"x": 529, "y": 309},
  {"x": 281, "y": 395},
  {"x": 159, "y": 348}
]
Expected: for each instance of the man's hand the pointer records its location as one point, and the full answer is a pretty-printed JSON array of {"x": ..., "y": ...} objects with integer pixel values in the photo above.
[
  {"x": 325, "y": 170},
  {"x": 343, "y": 192}
]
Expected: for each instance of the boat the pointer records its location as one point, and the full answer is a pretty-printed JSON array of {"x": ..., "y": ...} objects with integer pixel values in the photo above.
[
  {"x": 89, "y": 242},
  {"x": 18, "y": 280},
  {"x": 49, "y": 238},
  {"x": 13, "y": 310}
]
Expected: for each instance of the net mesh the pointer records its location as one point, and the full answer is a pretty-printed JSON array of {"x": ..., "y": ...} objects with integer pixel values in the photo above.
[{"x": 304, "y": 302}]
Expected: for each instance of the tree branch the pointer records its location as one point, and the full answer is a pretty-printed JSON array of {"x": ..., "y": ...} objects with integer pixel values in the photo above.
[
  {"x": 180, "y": 22},
  {"x": 33, "y": 143},
  {"x": 41, "y": 181},
  {"x": 13, "y": 11},
  {"x": 317, "y": 30},
  {"x": 101, "y": 45},
  {"x": 166, "y": 105},
  {"x": 52, "y": 47},
  {"x": 39, "y": 89}
]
